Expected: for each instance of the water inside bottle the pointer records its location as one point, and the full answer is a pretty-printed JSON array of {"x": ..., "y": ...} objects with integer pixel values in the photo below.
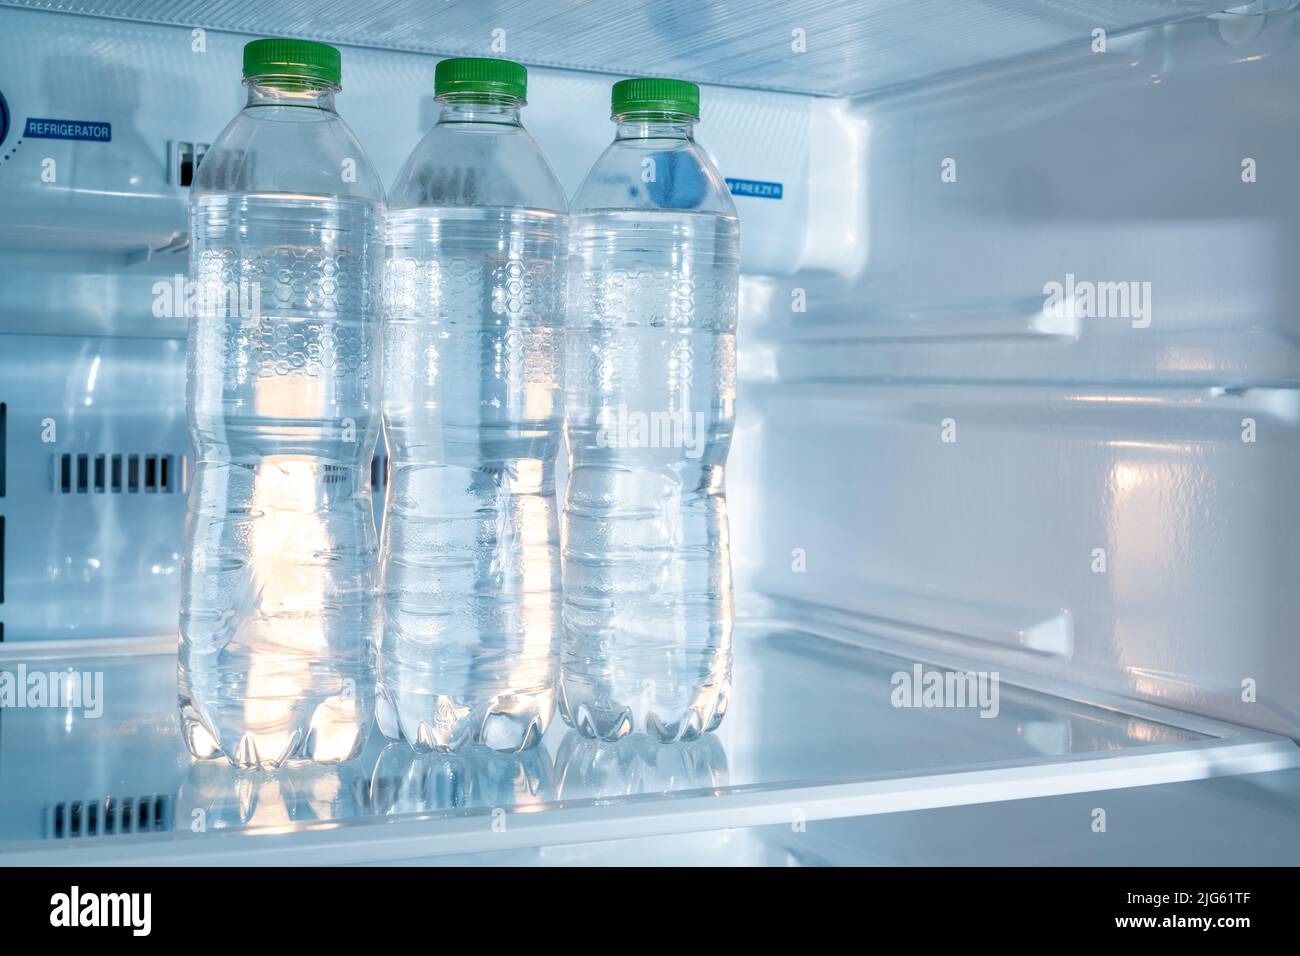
[
  {"x": 651, "y": 383},
  {"x": 279, "y": 614},
  {"x": 473, "y": 406}
]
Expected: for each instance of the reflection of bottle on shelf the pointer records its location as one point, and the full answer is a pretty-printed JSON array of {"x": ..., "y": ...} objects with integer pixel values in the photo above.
[
  {"x": 405, "y": 781},
  {"x": 586, "y": 768},
  {"x": 216, "y": 796}
]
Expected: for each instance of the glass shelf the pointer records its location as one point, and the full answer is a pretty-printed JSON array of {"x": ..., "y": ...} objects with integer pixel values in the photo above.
[{"x": 812, "y": 733}]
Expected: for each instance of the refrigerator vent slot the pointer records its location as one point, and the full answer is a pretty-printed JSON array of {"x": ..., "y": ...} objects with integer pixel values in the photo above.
[
  {"x": 83, "y": 473},
  {"x": 73, "y": 819},
  {"x": 185, "y": 159}
]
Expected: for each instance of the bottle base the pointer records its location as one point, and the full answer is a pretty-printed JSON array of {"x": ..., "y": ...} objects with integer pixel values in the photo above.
[
  {"x": 438, "y": 723},
  {"x": 603, "y": 718},
  {"x": 335, "y": 731}
]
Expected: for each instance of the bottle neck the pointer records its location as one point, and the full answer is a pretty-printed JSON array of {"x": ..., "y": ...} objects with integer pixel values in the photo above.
[
  {"x": 290, "y": 91},
  {"x": 494, "y": 108},
  {"x": 655, "y": 125}
]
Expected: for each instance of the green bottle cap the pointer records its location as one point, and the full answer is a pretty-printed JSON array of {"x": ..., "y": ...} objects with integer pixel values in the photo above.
[
  {"x": 301, "y": 58},
  {"x": 476, "y": 74},
  {"x": 654, "y": 95}
]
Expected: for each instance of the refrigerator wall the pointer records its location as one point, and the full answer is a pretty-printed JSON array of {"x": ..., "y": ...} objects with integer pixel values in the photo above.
[{"x": 1099, "y": 490}]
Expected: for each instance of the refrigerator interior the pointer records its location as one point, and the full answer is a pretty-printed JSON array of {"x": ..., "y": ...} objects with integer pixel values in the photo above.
[{"x": 940, "y": 464}]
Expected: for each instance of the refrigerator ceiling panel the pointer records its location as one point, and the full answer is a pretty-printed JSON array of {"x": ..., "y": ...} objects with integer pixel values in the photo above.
[{"x": 824, "y": 47}]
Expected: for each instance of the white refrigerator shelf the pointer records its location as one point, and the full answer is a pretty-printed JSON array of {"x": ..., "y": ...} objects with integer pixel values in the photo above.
[{"x": 813, "y": 733}]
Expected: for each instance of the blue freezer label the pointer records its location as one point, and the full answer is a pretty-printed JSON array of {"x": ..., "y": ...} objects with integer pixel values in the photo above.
[
  {"x": 752, "y": 187},
  {"x": 38, "y": 128}
]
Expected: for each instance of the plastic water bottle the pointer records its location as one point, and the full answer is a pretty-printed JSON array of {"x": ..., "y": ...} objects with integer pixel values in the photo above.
[
  {"x": 279, "y": 610},
  {"x": 651, "y": 383},
  {"x": 473, "y": 399}
]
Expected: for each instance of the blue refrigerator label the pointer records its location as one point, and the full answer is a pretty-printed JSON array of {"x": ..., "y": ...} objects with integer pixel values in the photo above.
[
  {"x": 38, "y": 128},
  {"x": 755, "y": 188}
]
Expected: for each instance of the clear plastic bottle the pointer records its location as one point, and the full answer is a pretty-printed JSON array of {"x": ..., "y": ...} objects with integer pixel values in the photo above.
[
  {"x": 651, "y": 383},
  {"x": 473, "y": 405},
  {"x": 279, "y": 611}
]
